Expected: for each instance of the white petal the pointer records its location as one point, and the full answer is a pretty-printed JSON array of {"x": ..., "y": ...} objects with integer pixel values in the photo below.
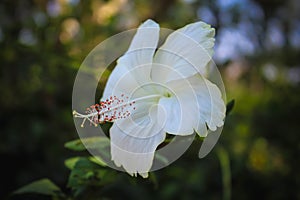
[
  {"x": 181, "y": 108},
  {"x": 201, "y": 104},
  {"x": 141, "y": 50},
  {"x": 134, "y": 66},
  {"x": 134, "y": 140},
  {"x": 188, "y": 50},
  {"x": 120, "y": 81},
  {"x": 212, "y": 106},
  {"x": 181, "y": 115}
]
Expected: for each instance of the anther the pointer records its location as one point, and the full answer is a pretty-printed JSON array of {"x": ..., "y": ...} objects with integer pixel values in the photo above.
[{"x": 111, "y": 109}]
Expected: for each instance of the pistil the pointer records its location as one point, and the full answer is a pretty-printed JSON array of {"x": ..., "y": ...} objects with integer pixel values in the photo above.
[{"x": 111, "y": 109}]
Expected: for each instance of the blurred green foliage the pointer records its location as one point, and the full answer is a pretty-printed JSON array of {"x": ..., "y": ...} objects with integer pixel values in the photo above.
[{"x": 258, "y": 48}]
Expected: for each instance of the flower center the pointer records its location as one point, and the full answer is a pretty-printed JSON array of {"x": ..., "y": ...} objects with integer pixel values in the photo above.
[
  {"x": 110, "y": 110},
  {"x": 167, "y": 94}
]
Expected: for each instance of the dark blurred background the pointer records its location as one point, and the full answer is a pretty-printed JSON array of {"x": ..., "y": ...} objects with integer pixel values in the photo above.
[{"x": 43, "y": 42}]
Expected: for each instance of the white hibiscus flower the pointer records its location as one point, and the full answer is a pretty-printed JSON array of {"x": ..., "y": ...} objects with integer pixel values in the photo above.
[{"x": 151, "y": 93}]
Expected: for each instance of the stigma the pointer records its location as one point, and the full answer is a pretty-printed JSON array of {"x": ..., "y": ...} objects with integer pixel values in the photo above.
[{"x": 109, "y": 110}]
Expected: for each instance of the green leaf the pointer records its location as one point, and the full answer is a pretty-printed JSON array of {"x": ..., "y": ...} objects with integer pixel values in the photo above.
[
  {"x": 81, "y": 172},
  {"x": 71, "y": 162},
  {"x": 87, "y": 143},
  {"x": 75, "y": 145},
  {"x": 97, "y": 160},
  {"x": 43, "y": 186},
  {"x": 229, "y": 106},
  {"x": 87, "y": 173},
  {"x": 161, "y": 158}
]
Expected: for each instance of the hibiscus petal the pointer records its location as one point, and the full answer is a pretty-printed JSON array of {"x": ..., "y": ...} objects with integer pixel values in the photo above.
[
  {"x": 200, "y": 103},
  {"x": 181, "y": 115},
  {"x": 120, "y": 81},
  {"x": 187, "y": 50},
  {"x": 135, "y": 139},
  {"x": 212, "y": 106},
  {"x": 135, "y": 65},
  {"x": 141, "y": 50}
]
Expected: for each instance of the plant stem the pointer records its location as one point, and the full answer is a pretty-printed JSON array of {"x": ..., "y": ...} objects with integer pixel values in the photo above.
[{"x": 226, "y": 172}]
